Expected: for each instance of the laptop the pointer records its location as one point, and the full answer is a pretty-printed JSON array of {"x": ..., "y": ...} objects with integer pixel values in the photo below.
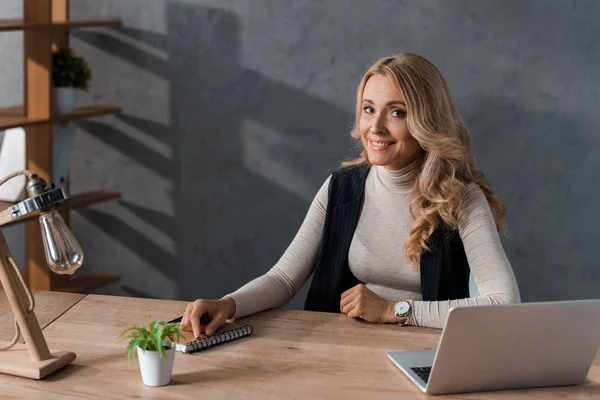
[{"x": 511, "y": 346}]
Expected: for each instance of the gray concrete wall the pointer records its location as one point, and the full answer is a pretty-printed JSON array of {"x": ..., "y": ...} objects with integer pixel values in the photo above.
[{"x": 234, "y": 112}]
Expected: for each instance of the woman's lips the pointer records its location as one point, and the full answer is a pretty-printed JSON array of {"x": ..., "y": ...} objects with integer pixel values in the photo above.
[{"x": 380, "y": 145}]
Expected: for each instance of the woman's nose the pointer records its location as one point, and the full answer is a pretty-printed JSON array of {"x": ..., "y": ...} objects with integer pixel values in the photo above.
[{"x": 378, "y": 125}]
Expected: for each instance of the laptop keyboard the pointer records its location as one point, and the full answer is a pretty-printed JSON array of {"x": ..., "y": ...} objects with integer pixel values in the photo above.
[{"x": 422, "y": 372}]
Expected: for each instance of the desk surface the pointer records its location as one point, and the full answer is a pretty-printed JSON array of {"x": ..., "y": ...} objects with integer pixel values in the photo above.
[
  {"x": 292, "y": 354},
  {"x": 49, "y": 306}
]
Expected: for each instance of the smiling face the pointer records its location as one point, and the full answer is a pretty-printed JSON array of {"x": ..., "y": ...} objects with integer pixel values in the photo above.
[{"x": 383, "y": 126}]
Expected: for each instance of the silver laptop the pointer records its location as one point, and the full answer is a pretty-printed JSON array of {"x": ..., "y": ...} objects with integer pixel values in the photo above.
[{"x": 508, "y": 347}]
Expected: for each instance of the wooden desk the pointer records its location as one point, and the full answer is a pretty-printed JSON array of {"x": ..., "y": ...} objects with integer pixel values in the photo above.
[
  {"x": 48, "y": 307},
  {"x": 292, "y": 354}
]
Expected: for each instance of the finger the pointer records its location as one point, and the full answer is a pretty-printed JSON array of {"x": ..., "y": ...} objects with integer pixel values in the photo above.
[
  {"x": 348, "y": 308},
  {"x": 185, "y": 320},
  {"x": 204, "y": 320},
  {"x": 347, "y": 300},
  {"x": 356, "y": 312},
  {"x": 198, "y": 309},
  {"x": 215, "y": 323},
  {"x": 354, "y": 299}
]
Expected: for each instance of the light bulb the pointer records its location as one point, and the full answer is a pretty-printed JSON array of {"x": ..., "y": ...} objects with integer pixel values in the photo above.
[{"x": 63, "y": 253}]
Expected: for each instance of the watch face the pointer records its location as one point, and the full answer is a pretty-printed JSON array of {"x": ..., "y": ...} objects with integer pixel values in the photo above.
[{"x": 401, "y": 307}]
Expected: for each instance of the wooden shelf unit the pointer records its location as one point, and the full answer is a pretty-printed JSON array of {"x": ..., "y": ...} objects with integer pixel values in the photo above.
[
  {"x": 74, "y": 202},
  {"x": 12, "y": 117},
  {"x": 45, "y": 24},
  {"x": 7, "y": 25}
]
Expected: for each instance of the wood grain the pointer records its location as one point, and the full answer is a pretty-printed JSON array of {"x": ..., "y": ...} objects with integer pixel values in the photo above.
[
  {"x": 292, "y": 354},
  {"x": 48, "y": 307}
]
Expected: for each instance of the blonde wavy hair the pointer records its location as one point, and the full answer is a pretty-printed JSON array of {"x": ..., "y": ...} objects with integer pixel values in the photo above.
[{"x": 447, "y": 165}]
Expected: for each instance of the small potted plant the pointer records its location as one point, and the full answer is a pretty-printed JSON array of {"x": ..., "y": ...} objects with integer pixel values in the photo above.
[
  {"x": 154, "y": 351},
  {"x": 69, "y": 73}
]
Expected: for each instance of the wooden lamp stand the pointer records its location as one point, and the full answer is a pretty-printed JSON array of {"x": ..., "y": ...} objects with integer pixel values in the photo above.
[{"x": 16, "y": 361}]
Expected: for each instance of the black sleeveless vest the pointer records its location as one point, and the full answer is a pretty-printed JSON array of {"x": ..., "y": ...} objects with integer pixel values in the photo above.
[{"x": 444, "y": 269}]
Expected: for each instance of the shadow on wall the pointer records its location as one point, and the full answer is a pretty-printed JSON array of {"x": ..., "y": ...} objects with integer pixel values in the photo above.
[
  {"x": 248, "y": 154},
  {"x": 549, "y": 183}
]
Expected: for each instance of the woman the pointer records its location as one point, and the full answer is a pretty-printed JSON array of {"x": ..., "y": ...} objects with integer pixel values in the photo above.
[{"x": 392, "y": 236}]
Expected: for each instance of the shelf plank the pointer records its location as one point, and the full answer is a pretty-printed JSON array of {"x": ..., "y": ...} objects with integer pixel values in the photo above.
[
  {"x": 13, "y": 117},
  {"x": 74, "y": 202},
  {"x": 85, "y": 199},
  {"x": 7, "y": 25},
  {"x": 88, "y": 282},
  {"x": 85, "y": 112}
]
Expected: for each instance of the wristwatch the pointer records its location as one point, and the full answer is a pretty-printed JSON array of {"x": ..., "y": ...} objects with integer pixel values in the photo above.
[{"x": 401, "y": 309}]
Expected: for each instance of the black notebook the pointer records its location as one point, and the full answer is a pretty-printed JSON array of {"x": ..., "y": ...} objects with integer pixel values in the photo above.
[{"x": 214, "y": 340}]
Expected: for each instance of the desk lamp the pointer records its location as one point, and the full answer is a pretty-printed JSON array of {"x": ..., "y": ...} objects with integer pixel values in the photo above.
[{"x": 64, "y": 256}]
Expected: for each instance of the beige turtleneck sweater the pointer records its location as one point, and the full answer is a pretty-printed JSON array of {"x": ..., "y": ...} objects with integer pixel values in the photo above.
[{"x": 376, "y": 252}]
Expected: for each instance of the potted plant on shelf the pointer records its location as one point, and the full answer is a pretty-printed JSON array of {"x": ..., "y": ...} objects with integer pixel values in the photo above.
[
  {"x": 154, "y": 351},
  {"x": 69, "y": 73}
]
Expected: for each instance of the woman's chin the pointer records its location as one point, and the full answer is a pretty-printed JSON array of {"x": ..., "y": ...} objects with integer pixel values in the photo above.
[{"x": 376, "y": 159}]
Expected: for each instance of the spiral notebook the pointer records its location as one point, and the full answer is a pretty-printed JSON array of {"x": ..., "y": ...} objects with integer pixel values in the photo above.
[{"x": 206, "y": 342}]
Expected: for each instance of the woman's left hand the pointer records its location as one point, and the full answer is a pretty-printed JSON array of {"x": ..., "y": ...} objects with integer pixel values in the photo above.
[{"x": 360, "y": 302}]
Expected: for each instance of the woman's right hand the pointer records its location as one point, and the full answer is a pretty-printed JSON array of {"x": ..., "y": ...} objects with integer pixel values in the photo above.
[{"x": 204, "y": 317}]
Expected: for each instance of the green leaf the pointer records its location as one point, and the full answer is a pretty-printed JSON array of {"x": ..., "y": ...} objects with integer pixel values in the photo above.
[
  {"x": 69, "y": 70},
  {"x": 150, "y": 337}
]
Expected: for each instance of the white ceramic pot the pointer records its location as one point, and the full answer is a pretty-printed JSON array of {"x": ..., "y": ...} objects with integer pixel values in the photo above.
[
  {"x": 64, "y": 99},
  {"x": 156, "y": 371},
  {"x": 62, "y": 151}
]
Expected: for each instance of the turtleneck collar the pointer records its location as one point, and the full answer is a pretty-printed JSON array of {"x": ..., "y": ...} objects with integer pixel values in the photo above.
[{"x": 399, "y": 180}]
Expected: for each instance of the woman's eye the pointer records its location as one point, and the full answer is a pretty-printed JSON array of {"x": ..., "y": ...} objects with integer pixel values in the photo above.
[
  {"x": 398, "y": 113},
  {"x": 368, "y": 110}
]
